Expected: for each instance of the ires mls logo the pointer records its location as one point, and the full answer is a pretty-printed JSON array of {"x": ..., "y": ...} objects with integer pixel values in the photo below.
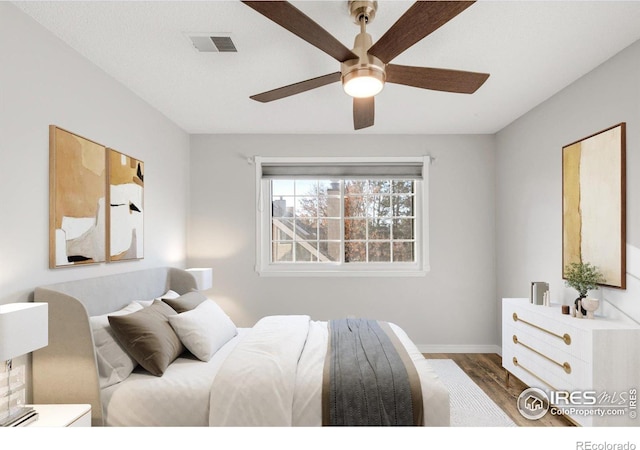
[{"x": 533, "y": 403}]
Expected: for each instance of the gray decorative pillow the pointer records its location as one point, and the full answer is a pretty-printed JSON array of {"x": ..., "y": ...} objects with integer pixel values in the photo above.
[
  {"x": 169, "y": 294},
  {"x": 148, "y": 337},
  {"x": 114, "y": 363},
  {"x": 185, "y": 302}
]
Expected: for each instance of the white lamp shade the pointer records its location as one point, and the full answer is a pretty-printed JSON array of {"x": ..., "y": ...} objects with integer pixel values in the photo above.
[
  {"x": 203, "y": 276},
  {"x": 24, "y": 327}
]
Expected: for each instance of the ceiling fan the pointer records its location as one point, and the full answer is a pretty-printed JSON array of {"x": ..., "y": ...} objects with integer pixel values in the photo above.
[{"x": 366, "y": 67}]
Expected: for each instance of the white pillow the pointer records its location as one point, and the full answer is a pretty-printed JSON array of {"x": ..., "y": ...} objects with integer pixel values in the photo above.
[
  {"x": 204, "y": 329},
  {"x": 114, "y": 363},
  {"x": 169, "y": 295}
]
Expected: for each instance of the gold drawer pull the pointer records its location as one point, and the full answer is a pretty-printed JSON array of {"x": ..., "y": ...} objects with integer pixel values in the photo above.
[
  {"x": 565, "y": 337},
  {"x": 515, "y": 363},
  {"x": 565, "y": 366}
]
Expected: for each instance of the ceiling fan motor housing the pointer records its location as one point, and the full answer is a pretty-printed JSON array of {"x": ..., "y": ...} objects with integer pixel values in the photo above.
[
  {"x": 365, "y": 65},
  {"x": 366, "y": 68}
]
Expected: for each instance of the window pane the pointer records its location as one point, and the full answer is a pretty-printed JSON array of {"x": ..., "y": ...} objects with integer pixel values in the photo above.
[
  {"x": 355, "y": 229},
  {"x": 282, "y": 229},
  {"x": 306, "y": 251},
  {"x": 282, "y": 206},
  {"x": 380, "y": 206},
  {"x": 379, "y": 251},
  {"x": 355, "y": 187},
  {"x": 329, "y": 251},
  {"x": 329, "y": 229},
  {"x": 355, "y": 207},
  {"x": 403, "y": 186},
  {"x": 355, "y": 251},
  {"x": 402, "y": 228},
  {"x": 306, "y": 207},
  {"x": 329, "y": 187},
  {"x": 403, "y": 252},
  {"x": 306, "y": 187},
  {"x": 380, "y": 187},
  {"x": 329, "y": 207},
  {"x": 281, "y": 187},
  {"x": 306, "y": 229},
  {"x": 403, "y": 205},
  {"x": 282, "y": 251},
  {"x": 379, "y": 229}
]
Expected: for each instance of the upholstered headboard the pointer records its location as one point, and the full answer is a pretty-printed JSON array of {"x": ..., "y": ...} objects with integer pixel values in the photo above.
[{"x": 66, "y": 370}]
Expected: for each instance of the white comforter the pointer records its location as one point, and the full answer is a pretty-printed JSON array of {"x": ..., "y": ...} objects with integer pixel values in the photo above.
[
  {"x": 180, "y": 397},
  {"x": 230, "y": 390},
  {"x": 273, "y": 377}
]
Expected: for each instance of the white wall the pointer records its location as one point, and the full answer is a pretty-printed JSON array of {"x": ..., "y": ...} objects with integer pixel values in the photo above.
[
  {"x": 451, "y": 308},
  {"x": 43, "y": 82},
  {"x": 529, "y": 181}
]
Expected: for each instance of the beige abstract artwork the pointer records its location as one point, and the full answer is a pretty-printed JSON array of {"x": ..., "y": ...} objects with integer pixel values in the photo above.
[
  {"x": 593, "y": 200},
  {"x": 77, "y": 181},
  {"x": 126, "y": 207}
]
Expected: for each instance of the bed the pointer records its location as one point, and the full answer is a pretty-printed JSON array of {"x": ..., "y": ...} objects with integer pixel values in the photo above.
[{"x": 268, "y": 375}]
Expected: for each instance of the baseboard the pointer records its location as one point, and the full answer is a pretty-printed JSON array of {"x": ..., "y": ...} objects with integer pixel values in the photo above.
[{"x": 460, "y": 349}]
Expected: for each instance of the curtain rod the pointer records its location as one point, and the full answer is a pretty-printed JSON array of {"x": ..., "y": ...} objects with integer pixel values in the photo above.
[{"x": 252, "y": 159}]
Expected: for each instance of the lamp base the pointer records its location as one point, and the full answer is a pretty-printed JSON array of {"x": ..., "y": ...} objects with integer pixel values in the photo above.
[{"x": 20, "y": 417}]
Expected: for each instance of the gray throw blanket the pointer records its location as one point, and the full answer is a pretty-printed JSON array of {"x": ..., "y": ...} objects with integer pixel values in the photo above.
[{"x": 369, "y": 379}]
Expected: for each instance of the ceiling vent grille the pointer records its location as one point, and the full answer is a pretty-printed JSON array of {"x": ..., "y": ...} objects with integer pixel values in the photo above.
[
  {"x": 224, "y": 44},
  {"x": 213, "y": 44}
]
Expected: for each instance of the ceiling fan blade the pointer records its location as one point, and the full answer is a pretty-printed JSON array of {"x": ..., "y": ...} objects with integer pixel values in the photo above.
[
  {"x": 422, "y": 19},
  {"x": 296, "y": 88},
  {"x": 291, "y": 18},
  {"x": 436, "y": 79},
  {"x": 363, "y": 112}
]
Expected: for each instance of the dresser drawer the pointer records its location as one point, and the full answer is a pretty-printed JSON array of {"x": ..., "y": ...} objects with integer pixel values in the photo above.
[
  {"x": 557, "y": 367},
  {"x": 550, "y": 332},
  {"x": 536, "y": 372}
]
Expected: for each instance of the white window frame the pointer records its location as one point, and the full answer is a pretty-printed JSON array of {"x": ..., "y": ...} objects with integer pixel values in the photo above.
[{"x": 264, "y": 266}]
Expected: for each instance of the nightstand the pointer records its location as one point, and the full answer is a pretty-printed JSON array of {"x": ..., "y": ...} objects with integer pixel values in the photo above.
[{"x": 62, "y": 416}]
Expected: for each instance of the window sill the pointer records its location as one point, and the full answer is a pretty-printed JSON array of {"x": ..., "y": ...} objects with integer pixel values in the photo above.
[{"x": 341, "y": 273}]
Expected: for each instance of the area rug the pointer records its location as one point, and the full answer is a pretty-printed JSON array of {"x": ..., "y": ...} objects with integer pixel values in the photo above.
[{"x": 470, "y": 406}]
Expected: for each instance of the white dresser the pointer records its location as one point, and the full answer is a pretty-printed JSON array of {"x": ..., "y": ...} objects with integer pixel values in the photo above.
[{"x": 555, "y": 352}]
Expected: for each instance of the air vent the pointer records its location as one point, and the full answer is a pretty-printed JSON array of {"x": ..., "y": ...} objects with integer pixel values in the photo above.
[
  {"x": 213, "y": 44},
  {"x": 223, "y": 43}
]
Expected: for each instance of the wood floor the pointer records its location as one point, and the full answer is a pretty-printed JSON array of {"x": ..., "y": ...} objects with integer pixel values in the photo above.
[{"x": 485, "y": 369}]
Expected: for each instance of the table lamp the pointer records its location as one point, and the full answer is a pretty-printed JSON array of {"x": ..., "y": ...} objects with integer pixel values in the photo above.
[
  {"x": 24, "y": 327},
  {"x": 203, "y": 276}
]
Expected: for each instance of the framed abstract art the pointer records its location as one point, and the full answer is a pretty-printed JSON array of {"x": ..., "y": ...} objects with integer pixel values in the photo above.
[
  {"x": 77, "y": 181},
  {"x": 125, "y": 216},
  {"x": 594, "y": 203},
  {"x": 96, "y": 202}
]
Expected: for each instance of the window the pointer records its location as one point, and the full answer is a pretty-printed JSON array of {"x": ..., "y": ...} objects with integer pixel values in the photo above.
[{"x": 341, "y": 216}]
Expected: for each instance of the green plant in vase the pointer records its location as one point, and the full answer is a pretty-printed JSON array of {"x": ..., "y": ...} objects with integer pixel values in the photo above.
[{"x": 583, "y": 277}]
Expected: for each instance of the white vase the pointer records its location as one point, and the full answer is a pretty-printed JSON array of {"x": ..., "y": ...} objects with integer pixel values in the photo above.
[{"x": 591, "y": 305}]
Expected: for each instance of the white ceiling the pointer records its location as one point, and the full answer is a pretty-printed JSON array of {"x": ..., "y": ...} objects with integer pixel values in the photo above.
[{"x": 532, "y": 49}]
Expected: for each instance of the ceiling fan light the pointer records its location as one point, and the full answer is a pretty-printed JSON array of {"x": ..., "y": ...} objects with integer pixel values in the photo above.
[{"x": 362, "y": 83}]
